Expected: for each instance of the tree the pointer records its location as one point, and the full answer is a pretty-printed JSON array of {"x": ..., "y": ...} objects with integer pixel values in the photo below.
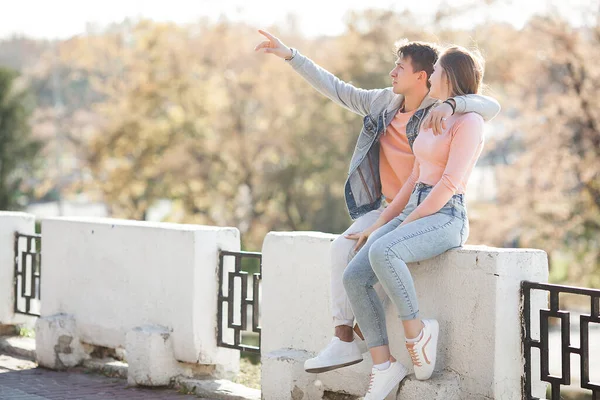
[
  {"x": 549, "y": 190},
  {"x": 191, "y": 114},
  {"x": 148, "y": 108},
  {"x": 19, "y": 152}
]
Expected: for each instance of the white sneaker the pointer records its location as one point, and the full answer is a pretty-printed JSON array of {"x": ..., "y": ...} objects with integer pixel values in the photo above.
[
  {"x": 336, "y": 355},
  {"x": 423, "y": 353},
  {"x": 382, "y": 382}
]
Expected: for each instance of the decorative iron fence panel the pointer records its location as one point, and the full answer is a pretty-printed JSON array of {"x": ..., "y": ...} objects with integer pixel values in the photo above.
[
  {"x": 583, "y": 351},
  {"x": 27, "y": 274},
  {"x": 244, "y": 303}
]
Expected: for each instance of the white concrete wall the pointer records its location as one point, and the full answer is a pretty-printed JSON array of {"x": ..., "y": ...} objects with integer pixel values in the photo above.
[
  {"x": 11, "y": 222},
  {"x": 115, "y": 275},
  {"x": 296, "y": 302},
  {"x": 474, "y": 293}
]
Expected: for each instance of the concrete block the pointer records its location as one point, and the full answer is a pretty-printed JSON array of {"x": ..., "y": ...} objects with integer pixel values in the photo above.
[
  {"x": 150, "y": 356},
  {"x": 57, "y": 342}
]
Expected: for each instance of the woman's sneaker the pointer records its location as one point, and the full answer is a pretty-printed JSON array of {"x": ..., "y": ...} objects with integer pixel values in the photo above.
[
  {"x": 336, "y": 355},
  {"x": 382, "y": 382},
  {"x": 423, "y": 353}
]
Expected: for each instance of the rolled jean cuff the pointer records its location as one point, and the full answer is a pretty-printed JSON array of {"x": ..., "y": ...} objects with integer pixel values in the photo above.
[
  {"x": 410, "y": 316},
  {"x": 377, "y": 343},
  {"x": 340, "y": 322}
]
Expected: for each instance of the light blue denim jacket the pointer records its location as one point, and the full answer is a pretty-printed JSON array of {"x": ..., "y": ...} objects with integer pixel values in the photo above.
[{"x": 378, "y": 107}]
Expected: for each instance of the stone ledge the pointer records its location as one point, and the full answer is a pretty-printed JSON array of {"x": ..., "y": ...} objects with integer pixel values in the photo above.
[
  {"x": 18, "y": 346},
  {"x": 285, "y": 366},
  {"x": 107, "y": 366},
  {"x": 444, "y": 385},
  {"x": 218, "y": 389}
]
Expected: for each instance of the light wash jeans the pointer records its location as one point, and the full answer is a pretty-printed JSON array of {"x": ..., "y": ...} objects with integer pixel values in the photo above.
[
  {"x": 385, "y": 255},
  {"x": 342, "y": 252}
]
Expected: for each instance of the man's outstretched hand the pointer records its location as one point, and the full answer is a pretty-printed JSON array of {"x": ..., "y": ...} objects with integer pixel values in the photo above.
[{"x": 273, "y": 46}]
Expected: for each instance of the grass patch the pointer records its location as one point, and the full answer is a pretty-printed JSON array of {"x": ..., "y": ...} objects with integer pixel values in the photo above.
[
  {"x": 249, "y": 374},
  {"x": 26, "y": 332}
]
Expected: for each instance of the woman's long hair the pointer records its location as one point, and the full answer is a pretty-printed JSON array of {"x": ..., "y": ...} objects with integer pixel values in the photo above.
[{"x": 464, "y": 70}]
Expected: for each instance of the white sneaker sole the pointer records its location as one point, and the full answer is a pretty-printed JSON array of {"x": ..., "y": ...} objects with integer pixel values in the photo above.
[{"x": 326, "y": 368}]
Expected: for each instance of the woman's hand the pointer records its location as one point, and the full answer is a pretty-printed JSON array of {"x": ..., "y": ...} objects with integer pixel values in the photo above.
[
  {"x": 361, "y": 237},
  {"x": 273, "y": 46},
  {"x": 436, "y": 119}
]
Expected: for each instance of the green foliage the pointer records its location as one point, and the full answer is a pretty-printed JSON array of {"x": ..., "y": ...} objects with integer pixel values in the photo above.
[{"x": 18, "y": 150}]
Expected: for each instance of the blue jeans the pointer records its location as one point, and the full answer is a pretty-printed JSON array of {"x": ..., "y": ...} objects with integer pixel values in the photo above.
[{"x": 384, "y": 257}]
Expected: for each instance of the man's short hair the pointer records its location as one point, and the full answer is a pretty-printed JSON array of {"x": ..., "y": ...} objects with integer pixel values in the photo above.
[{"x": 422, "y": 55}]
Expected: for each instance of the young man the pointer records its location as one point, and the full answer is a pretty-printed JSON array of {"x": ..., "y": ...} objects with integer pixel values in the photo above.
[{"x": 381, "y": 163}]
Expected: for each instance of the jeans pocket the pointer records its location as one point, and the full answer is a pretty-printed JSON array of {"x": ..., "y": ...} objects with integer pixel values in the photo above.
[{"x": 450, "y": 209}]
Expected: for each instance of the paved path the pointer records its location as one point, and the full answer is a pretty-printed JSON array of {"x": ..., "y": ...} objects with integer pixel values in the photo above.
[{"x": 22, "y": 380}]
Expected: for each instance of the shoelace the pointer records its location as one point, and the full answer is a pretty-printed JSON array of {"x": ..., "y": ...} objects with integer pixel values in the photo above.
[
  {"x": 371, "y": 380},
  {"x": 414, "y": 354}
]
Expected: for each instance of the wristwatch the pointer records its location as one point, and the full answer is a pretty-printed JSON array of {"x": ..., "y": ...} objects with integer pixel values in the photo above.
[{"x": 294, "y": 52}]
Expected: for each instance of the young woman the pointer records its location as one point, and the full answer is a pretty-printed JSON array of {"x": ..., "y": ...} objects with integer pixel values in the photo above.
[{"x": 426, "y": 218}]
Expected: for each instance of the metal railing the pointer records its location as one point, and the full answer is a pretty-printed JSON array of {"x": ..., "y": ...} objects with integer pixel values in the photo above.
[
  {"x": 244, "y": 303},
  {"x": 583, "y": 351},
  {"x": 27, "y": 273}
]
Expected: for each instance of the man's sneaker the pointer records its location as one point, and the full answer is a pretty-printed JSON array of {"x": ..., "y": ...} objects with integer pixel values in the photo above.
[
  {"x": 336, "y": 355},
  {"x": 423, "y": 353},
  {"x": 382, "y": 382}
]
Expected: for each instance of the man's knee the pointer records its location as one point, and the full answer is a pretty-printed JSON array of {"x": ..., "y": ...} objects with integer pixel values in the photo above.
[{"x": 342, "y": 251}]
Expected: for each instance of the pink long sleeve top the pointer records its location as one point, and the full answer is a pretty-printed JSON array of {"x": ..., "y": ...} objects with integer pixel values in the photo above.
[{"x": 444, "y": 162}]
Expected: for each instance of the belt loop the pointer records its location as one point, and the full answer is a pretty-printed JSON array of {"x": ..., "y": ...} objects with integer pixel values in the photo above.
[{"x": 419, "y": 199}]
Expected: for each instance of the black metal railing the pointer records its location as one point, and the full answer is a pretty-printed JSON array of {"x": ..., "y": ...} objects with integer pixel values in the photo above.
[
  {"x": 245, "y": 302},
  {"x": 583, "y": 351},
  {"x": 28, "y": 274}
]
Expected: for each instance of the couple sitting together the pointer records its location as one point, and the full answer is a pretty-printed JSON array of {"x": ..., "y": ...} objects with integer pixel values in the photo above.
[{"x": 405, "y": 191}]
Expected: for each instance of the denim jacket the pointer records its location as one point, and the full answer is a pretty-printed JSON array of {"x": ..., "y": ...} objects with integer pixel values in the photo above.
[{"x": 377, "y": 107}]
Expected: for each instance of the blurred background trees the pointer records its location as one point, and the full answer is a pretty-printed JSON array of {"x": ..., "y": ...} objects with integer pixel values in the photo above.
[
  {"x": 144, "y": 113},
  {"x": 19, "y": 163}
]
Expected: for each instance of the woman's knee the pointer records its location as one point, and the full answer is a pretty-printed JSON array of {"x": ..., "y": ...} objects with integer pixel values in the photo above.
[
  {"x": 378, "y": 252},
  {"x": 383, "y": 251}
]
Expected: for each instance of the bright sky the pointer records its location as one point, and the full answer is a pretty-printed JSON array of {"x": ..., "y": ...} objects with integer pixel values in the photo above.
[{"x": 65, "y": 18}]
